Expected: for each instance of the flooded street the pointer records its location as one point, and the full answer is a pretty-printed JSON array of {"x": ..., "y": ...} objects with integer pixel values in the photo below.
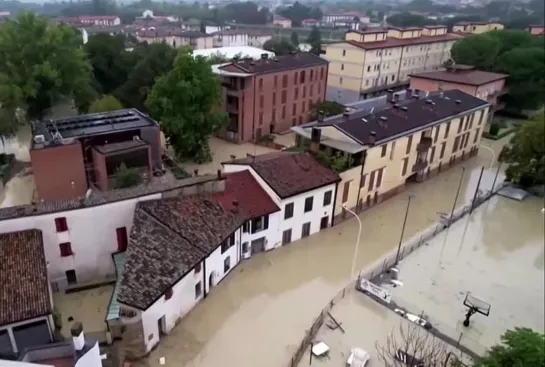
[{"x": 260, "y": 312}]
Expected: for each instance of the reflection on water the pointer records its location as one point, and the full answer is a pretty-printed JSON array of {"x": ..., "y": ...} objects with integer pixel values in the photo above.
[{"x": 259, "y": 313}]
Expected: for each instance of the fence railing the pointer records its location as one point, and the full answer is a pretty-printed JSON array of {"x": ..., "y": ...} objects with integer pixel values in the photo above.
[{"x": 381, "y": 265}]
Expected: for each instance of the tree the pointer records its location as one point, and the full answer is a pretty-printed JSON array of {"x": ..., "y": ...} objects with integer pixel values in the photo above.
[
  {"x": 519, "y": 348},
  {"x": 154, "y": 61},
  {"x": 186, "y": 103},
  {"x": 409, "y": 20},
  {"x": 105, "y": 104},
  {"x": 525, "y": 153},
  {"x": 294, "y": 38},
  {"x": 111, "y": 63},
  {"x": 280, "y": 46},
  {"x": 40, "y": 65},
  {"x": 512, "y": 52},
  {"x": 315, "y": 41},
  {"x": 416, "y": 342},
  {"x": 298, "y": 12}
]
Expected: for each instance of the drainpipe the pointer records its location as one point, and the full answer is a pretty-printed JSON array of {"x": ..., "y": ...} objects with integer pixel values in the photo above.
[
  {"x": 363, "y": 159},
  {"x": 205, "y": 294},
  {"x": 334, "y": 205}
]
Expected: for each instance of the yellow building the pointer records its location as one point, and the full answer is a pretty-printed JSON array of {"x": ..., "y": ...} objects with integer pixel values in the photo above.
[
  {"x": 407, "y": 141},
  {"x": 370, "y": 62},
  {"x": 476, "y": 27}
]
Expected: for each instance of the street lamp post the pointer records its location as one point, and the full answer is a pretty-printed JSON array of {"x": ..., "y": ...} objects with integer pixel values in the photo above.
[
  {"x": 403, "y": 230},
  {"x": 357, "y": 242}
]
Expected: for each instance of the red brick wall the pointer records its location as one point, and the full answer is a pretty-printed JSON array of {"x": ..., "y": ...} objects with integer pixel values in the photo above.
[{"x": 59, "y": 172}]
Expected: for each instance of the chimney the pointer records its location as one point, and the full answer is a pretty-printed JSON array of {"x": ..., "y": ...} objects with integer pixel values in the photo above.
[
  {"x": 235, "y": 206},
  {"x": 78, "y": 339},
  {"x": 372, "y": 138},
  {"x": 389, "y": 95},
  {"x": 264, "y": 56},
  {"x": 321, "y": 116},
  {"x": 315, "y": 137}
]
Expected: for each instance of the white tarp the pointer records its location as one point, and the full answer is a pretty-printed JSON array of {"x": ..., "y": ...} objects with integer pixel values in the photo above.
[{"x": 375, "y": 290}]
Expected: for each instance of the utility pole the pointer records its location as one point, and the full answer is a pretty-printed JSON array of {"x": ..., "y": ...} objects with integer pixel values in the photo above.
[{"x": 403, "y": 229}]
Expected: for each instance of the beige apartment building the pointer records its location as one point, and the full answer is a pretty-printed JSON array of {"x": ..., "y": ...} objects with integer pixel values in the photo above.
[
  {"x": 466, "y": 28},
  {"x": 176, "y": 38},
  {"x": 370, "y": 62},
  {"x": 406, "y": 141}
]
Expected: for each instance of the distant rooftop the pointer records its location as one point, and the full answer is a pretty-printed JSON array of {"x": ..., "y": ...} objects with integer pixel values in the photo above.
[
  {"x": 396, "y": 42},
  {"x": 24, "y": 293},
  {"x": 234, "y": 51},
  {"x": 92, "y": 124},
  {"x": 287, "y": 62},
  {"x": 461, "y": 74}
]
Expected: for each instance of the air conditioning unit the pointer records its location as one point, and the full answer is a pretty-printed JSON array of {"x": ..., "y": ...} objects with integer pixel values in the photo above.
[{"x": 39, "y": 139}]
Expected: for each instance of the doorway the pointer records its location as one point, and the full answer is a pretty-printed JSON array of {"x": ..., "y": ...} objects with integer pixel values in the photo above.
[
  {"x": 324, "y": 222},
  {"x": 71, "y": 277},
  {"x": 258, "y": 245},
  {"x": 162, "y": 325}
]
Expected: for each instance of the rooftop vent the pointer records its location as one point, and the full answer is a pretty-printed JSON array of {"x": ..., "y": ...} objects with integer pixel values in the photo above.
[
  {"x": 429, "y": 101},
  {"x": 363, "y": 119},
  {"x": 396, "y": 105},
  {"x": 405, "y": 108},
  {"x": 458, "y": 101},
  {"x": 384, "y": 118}
]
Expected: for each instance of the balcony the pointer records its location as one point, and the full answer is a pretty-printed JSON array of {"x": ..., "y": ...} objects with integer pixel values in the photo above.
[
  {"x": 420, "y": 165},
  {"x": 424, "y": 145}
]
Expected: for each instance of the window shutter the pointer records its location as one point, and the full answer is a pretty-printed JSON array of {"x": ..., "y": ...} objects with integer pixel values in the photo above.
[{"x": 266, "y": 220}]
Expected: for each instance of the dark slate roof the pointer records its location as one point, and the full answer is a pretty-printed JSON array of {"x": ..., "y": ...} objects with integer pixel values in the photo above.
[
  {"x": 24, "y": 290},
  {"x": 252, "y": 200},
  {"x": 272, "y": 65},
  {"x": 397, "y": 42},
  {"x": 290, "y": 173},
  {"x": 462, "y": 76},
  {"x": 420, "y": 112},
  {"x": 200, "y": 219},
  {"x": 156, "y": 259},
  {"x": 119, "y": 147},
  {"x": 102, "y": 197}
]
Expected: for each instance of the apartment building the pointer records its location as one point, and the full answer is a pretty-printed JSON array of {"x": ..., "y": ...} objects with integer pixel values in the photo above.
[
  {"x": 370, "y": 62},
  {"x": 270, "y": 94},
  {"x": 257, "y": 38},
  {"x": 407, "y": 141},
  {"x": 481, "y": 84},
  {"x": 466, "y": 28},
  {"x": 176, "y": 37},
  {"x": 230, "y": 38}
]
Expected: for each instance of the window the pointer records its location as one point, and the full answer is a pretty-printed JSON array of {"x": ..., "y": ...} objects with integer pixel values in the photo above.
[
  {"x": 273, "y": 119},
  {"x": 121, "y": 238},
  {"x": 261, "y": 118},
  {"x": 344, "y": 52},
  {"x": 260, "y": 224},
  {"x": 405, "y": 164},
  {"x": 168, "y": 294},
  {"x": 481, "y": 118},
  {"x": 392, "y": 150},
  {"x": 245, "y": 227},
  {"x": 284, "y": 96},
  {"x": 436, "y": 136},
  {"x": 432, "y": 154},
  {"x": 476, "y": 136},
  {"x": 327, "y": 198},
  {"x": 275, "y": 81},
  {"x": 198, "y": 268},
  {"x": 296, "y": 93},
  {"x": 274, "y": 99},
  {"x": 346, "y": 189},
  {"x": 286, "y": 236},
  {"x": 288, "y": 211},
  {"x": 61, "y": 225},
  {"x": 311, "y": 74},
  {"x": 283, "y": 112},
  {"x": 227, "y": 264},
  {"x": 198, "y": 290},
  {"x": 371, "y": 180},
  {"x": 228, "y": 243},
  {"x": 305, "y": 232},
  {"x": 66, "y": 249},
  {"x": 304, "y": 92},
  {"x": 308, "y": 204},
  {"x": 456, "y": 143},
  {"x": 284, "y": 81},
  {"x": 341, "y": 80},
  {"x": 295, "y": 78},
  {"x": 261, "y": 84},
  {"x": 442, "y": 154},
  {"x": 369, "y": 68},
  {"x": 379, "y": 177},
  {"x": 311, "y": 90},
  {"x": 461, "y": 124},
  {"x": 302, "y": 77},
  {"x": 362, "y": 181},
  {"x": 342, "y": 66},
  {"x": 294, "y": 110},
  {"x": 409, "y": 143},
  {"x": 261, "y": 101},
  {"x": 384, "y": 150},
  {"x": 447, "y": 130},
  {"x": 71, "y": 276}
]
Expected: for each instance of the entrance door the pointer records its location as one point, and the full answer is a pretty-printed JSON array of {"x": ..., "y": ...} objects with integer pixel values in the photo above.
[
  {"x": 324, "y": 222},
  {"x": 71, "y": 277},
  {"x": 161, "y": 325},
  {"x": 258, "y": 245}
]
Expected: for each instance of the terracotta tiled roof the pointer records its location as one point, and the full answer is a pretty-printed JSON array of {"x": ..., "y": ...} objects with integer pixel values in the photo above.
[
  {"x": 24, "y": 290},
  {"x": 396, "y": 42},
  {"x": 290, "y": 173},
  {"x": 467, "y": 77},
  {"x": 252, "y": 200},
  {"x": 156, "y": 259}
]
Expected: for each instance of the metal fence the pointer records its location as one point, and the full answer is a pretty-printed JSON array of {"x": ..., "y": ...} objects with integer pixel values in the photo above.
[{"x": 471, "y": 347}]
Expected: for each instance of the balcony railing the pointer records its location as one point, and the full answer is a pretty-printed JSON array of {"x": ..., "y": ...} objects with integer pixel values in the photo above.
[
  {"x": 420, "y": 165},
  {"x": 424, "y": 145}
]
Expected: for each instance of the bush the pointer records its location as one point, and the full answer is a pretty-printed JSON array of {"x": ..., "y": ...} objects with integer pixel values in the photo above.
[
  {"x": 494, "y": 129},
  {"x": 179, "y": 173},
  {"x": 127, "y": 177}
]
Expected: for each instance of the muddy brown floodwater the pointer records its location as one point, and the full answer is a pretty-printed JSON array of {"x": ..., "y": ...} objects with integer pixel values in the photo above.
[{"x": 258, "y": 315}]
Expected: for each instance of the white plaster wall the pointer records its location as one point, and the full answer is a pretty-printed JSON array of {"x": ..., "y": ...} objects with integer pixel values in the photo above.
[
  {"x": 91, "y": 358},
  {"x": 299, "y": 217},
  {"x": 214, "y": 262},
  {"x": 91, "y": 232},
  {"x": 182, "y": 301},
  {"x": 272, "y": 234}
]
